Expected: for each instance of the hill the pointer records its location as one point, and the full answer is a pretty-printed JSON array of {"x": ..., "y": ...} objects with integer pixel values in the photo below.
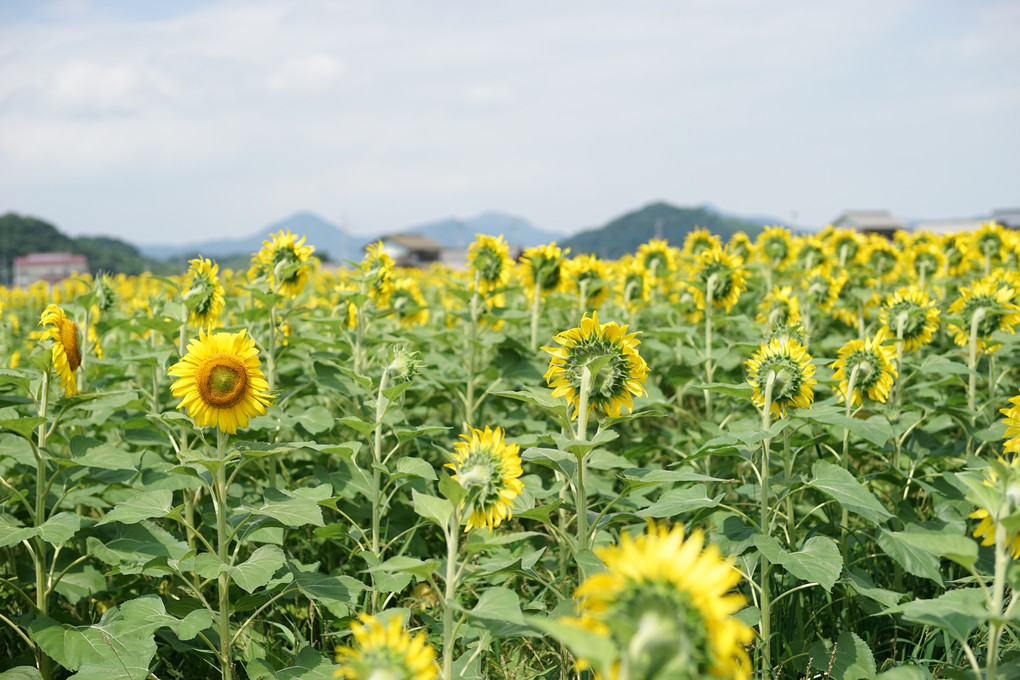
[
  {"x": 22, "y": 234},
  {"x": 456, "y": 233},
  {"x": 624, "y": 234}
]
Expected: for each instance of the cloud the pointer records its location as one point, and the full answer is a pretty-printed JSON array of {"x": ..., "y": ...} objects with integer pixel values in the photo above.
[{"x": 306, "y": 74}]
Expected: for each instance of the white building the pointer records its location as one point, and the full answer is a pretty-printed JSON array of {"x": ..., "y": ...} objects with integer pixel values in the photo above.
[{"x": 49, "y": 267}]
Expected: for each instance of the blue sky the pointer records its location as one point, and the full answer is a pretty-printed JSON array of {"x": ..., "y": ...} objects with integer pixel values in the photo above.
[{"x": 172, "y": 122}]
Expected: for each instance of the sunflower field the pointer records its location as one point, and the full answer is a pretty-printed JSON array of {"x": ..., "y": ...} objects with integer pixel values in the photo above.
[{"x": 786, "y": 457}]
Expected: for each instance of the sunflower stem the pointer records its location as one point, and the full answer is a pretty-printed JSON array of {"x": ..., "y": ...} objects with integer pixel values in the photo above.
[
  {"x": 709, "y": 368},
  {"x": 765, "y": 625},
  {"x": 84, "y": 351},
  {"x": 995, "y": 625},
  {"x": 901, "y": 322},
  {"x": 472, "y": 352},
  {"x": 848, "y": 398},
  {"x": 41, "y": 580},
  {"x": 222, "y": 539},
  {"x": 450, "y": 596},
  {"x": 381, "y": 403},
  {"x": 536, "y": 310},
  {"x": 972, "y": 360},
  {"x": 582, "y": 435}
]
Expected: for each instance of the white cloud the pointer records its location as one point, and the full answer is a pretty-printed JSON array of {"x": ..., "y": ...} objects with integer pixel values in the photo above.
[{"x": 306, "y": 74}]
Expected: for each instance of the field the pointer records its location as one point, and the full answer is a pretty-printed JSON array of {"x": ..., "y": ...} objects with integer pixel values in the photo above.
[{"x": 792, "y": 457}]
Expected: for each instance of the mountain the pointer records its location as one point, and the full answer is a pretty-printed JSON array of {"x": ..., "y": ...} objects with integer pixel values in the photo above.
[
  {"x": 327, "y": 238},
  {"x": 457, "y": 233},
  {"x": 21, "y": 235},
  {"x": 657, "y": 220}
]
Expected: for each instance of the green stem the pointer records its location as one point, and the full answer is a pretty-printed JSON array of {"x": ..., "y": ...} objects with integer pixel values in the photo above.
[
  {"x": 536, "y": 308},
  {"x": 381, "y": 403},
  {"x": 84, "y": 352},
  {"x": 765, "y": 625},
  {"x": 972, "y": 359},
  {"x": 222, "y": 538},
  {"x": 472, "y": 352},
  {"x": 449, "y": 599},
  {"x": 42, "y": 590},
  {"x": 709, "y": 367},
  {"x": 582, "y": 435},
  {"x": 788, "y": 463},
  {"x": 995, "y": 625},
  {"x": 845, "y": 458}
]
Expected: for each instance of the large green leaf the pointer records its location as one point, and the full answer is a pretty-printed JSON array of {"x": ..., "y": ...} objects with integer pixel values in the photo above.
[
  {"x": 94, "y": 453},
  {"x": 439, "y": 510},
  {"x": 958, "y": 612},
  {"x": 21, "y": 673},
  {"x": 850, "y": 660},
  {"x": 680, "y": 501},
  {"x": 914, "y": 560},
  {"x": 22, "y": 426},
  {"x": 308, "y": 665},
  {"x": 819, "y": 560},
  {"x": 290, "y": 509},
  {"x": 60, "y": 528},
  {"x": 851, "y": 494},
  {"x": 499, "y": 611},
  {"x": 144, "y": 505},
  {"x": 113, "y": 649},
  {"x": 408, "y": 565},
  {"x": 258, "y": 569},
  {"x": 960, "y": 549}
]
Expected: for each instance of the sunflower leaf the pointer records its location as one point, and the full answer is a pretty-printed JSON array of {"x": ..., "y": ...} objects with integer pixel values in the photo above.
[
  {"x": 819, "y": 560},
  {"x": 23, "y": 427},
  {"x": 838, "y": 483},
  {"x": 439, "y": 510},
  {"x": 144, "y": 505}
]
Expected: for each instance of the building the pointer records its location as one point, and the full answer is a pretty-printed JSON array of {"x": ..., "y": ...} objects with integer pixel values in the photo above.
[
  {"x": 412, "y": 250},
  {"x": 879, "y": 222},
  {"x": 49, "y": 267}
]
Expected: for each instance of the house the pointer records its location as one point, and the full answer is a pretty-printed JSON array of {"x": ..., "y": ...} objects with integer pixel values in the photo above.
[
  {"x": 879, "y": 222},
  {"x": 1007, "y": 217},
  {"x": 49, "y": 267},
  {"x": 412, "y": 250}
]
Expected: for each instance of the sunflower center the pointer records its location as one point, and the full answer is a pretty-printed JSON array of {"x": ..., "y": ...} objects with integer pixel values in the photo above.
[
  {"x": 222, "y": 380},
  {"x": 69, "y": 339}
]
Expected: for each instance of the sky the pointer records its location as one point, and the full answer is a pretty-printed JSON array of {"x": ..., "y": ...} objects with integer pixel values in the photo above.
[{"x": 181, "y": 121}]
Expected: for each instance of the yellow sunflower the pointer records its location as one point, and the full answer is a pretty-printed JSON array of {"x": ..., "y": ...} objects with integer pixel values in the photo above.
[
  {"x": 203, "y": 283},
  {"x": 220, "y": 381},
  {"x": 991, "y": 243},
  {"x": 779, "y": 308},
  {"x": 377, "y": 269},
  {"x": 66, "y": 350},
  {"x": 385, "y": 650},
  {"x": 925, "y": 260},
  {"x": 283, "y": 259},
  {"x": 822, "y": 288},
  {"x": 590, "y": 279},
  {"x": 490, "y": 470},
  {"x": 408, "y": 304},
  {"x": 658, "y": 257},
  {"x": 1012, "y": 423},
  {"x": 614, "y": 385},
  {"x": 490, "y": 262},
  {"x": 875, "y": 369},
  {"x": 961, "y": 256},
  {"x": 881, "y": 259},
  {"x": 741, "y": 246},
  {"x": 793, "y": 371},
  {"x": 697, "y": 240},
  {"x": 996, "y": 307},
  {"x": 775, "y": 247},
  {"x": 813, "y": 251},
  {"x": 633, "y": 282},
  {"x": 919, "y": 313},
  {"x": 544, "y": 268},
  {"x": 664, "y": 604},
  {"x": 723, "y": 273},
  {"x": 986, "y": 528},
  {"x": 846, "y": 244}
]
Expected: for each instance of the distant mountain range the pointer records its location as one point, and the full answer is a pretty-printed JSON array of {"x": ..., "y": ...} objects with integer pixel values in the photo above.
[{"x": 340, "y": 245}]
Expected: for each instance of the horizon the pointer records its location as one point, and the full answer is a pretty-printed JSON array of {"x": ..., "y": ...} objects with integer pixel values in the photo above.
[{"x": 208, "y": 118}]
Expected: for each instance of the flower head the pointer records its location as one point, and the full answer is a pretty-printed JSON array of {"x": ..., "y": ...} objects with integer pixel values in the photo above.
[
  {"x": 787, "y": 360},
  {"x": 615, "y": 383},
  {"x": 633, "y": 282},
  {"x": 66, "y": 350},
  {"x": 664, "y": 606},
  {"x": 283, "y": 259},
  {"x": 775, "y": 246},
  {"x": 377, "y": 268},
  {"x": 220, "y": 381},
  {"x": 915, "y": 310},
  {"x": 489, "y": 469},
  {"x": 873, "y": 362},
  {"x": 658, "y": 257},
  {"x": 544, "y": 267},
  {"x": 780, "y": 307},
  {"x": 408, "y": 304},
  {"x": 490, "y": 262},
  {"x": 1004, "y": 476},
  {"x": 203, "y": 283},
  {"x": 699, "y": 239},
  {"x": 590, "y": 279},
  {"x": 385, "y": 651},
  {"x": 994, "y": 307},
  {"x": 720, "y": 276}
]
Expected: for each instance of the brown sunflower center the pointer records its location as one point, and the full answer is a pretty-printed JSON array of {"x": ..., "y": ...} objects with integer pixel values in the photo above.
[
  {"x": 222, "y": 380},
  {"x": 69, "y": 339}
]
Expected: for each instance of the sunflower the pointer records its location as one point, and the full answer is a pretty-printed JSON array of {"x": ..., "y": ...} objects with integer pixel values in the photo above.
[
  {"x": 780, "y": 307},
  {"x": 788, "y": 360},
  {"x": 589, "y": 279},
  {"x": 960, "y": 255},
  {"x": 220, "y": 381},
  {"x": 920, "y": 317},
  {"x": 407, "y": 303},
  {"x": 66, "y": 351},
  {"x": 996, "y": 305},
  {"x": 490, "y": 262},
  {"x": 881, "y": 259},
  {"x": 991, "y": 243},
  {"x": 875, "y": 370},
  {"x": 1012, "y": 423},
  {"x": 377, "y": 268},
  {"x": 986, "y": 528},
  {"x": 723, "y": 273},
  {"x": 697, "y": 240},
  {"x": 544, "y": 268},
  {"x": 822, "y": 288},
  {"x": 283, "y": 259},
  {"x": 741, "y": 246},
  {"x": 489, "y": 469},
  {"x": 658, "y": 257},
  {"x": 616, "y": 382},
  {"x": 813, "y": 252},
  {"x": 633, "y": 282},
  {"x": 775, "y": 246},
  {"x": 925, "y": 260},
  {"x": 846, "y": 244},
  {"x": 386, "y": 650},
  {"x": 664, "y": 604},
  {"x": 203, "y": 283}
]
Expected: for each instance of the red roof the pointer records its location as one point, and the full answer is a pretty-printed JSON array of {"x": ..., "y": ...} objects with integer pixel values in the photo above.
[{"x": 50, "y": 258}]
